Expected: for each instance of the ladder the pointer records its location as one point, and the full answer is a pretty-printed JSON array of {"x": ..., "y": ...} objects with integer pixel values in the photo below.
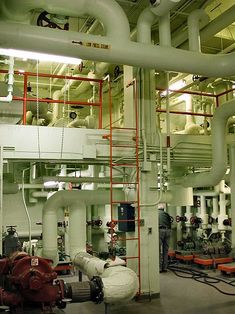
[{"x": 124, "y": 164}]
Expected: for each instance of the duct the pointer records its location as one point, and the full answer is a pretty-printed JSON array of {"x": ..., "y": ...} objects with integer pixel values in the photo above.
[
  {"x": 129, "y": 53},
  {"x": 222, "y": 21},
  {"x": 194, "y": 20},
  {"x": 77, "y": 202},
  {"x": 115, "y": 25},
  {"x": 219, "y": 150},
  {"x": 9, "y": 97}
]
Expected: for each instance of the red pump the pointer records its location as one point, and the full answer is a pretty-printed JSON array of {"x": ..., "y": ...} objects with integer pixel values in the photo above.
[{"x": 31, "y": 279}]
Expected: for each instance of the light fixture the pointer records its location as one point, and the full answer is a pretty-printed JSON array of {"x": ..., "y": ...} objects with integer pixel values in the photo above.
[
  {"x": 39, "y": 56},
  {"x": 174, "y": 86}
]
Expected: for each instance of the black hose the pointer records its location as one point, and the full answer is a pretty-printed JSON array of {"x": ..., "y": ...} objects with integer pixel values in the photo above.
[{"x": 200, "y": 276}]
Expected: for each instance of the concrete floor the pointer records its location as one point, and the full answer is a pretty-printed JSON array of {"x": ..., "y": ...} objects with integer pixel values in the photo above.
[{"x": 178, "y": 296}]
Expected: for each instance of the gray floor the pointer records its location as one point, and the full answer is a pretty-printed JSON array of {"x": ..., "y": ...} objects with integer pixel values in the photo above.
[{"x": 178, "y": 296}]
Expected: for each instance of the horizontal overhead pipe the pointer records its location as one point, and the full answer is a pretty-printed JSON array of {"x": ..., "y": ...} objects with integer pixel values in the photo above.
[
  {"x": 219, "y": 150},
  {"x": 73, "y": 44}
]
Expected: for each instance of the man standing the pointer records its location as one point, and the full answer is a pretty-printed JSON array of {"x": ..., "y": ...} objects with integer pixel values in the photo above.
[{"x": 164, "y": 222}]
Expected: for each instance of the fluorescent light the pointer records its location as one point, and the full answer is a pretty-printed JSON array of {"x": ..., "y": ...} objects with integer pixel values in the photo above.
[
  {"x": 39, "y": 56},
  {"x": 175, "y": 86}
]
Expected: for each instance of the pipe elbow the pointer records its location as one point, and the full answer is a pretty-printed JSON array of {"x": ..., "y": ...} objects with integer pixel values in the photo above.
[{"x": 120, "y": 284}]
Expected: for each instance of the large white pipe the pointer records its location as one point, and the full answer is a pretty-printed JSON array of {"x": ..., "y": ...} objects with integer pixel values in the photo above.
[
  {"x": 9, "y": 97},
  {"x": 207, "y": 31},
  {"x": 163, "y": 7},
  {"x": 77, "y": 202},
  {"x": 119, "y": 283},
  {"x": 194, "y": 20},
  {"x": 219, "y": 150},
  {"x": 73, "y": 44},
  {"x": 165, "y": 30},
  {"x": 109, "y": 13}
]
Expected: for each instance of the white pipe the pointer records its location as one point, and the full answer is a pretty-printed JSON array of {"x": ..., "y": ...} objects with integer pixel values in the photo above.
[
  {"x": 9, "y": 97},
  {"x": 219, "y": 150},
  {"x": 26, "y": 211},
  {"x": 135, "y": 54},
  {"x": 76, "y": 201},
  {"x": 119, "y": 283},
  {"x": 109, "y": 13},
  {"x": 207, "y": 31},
  {"x": 204, "y": 215},
  {"x": 144, "y": 24},
  {"x": 164, "y": 6},
  {"x": 165, "y": 30},
  {"x": 194, "y": 20}
]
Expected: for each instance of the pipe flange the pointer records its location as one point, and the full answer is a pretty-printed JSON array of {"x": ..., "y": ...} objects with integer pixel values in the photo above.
[{"x": 97, "y": 294}]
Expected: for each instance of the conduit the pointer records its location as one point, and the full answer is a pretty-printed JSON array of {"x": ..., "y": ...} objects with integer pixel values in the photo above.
[
  {"x": 219, "y": 150},
  {"x": 116, "y": 47}
]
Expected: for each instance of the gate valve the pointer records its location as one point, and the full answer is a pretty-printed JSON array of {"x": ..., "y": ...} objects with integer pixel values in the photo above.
[
  {"x": 227, "y": 222},
  {"x": 111, "y": 224},
  {"x": 96, "y": 223},
  {"x": 181, "y": 218},
  {"x": 195, "y": 220}
]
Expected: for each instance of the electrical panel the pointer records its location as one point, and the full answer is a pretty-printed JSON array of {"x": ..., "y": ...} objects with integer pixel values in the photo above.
[{"x": 126, "y": 212}]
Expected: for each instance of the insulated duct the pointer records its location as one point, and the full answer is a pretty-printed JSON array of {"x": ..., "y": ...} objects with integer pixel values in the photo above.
[
  {"x": 116, "y": 47},
  {"x": 219, "y": 150}
]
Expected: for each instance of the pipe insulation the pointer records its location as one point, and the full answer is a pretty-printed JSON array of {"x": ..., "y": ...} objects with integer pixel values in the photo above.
[
  {"x": 219, "y": 150},
  {"x": 194, "y": 20},
  {"x": 77, "y": 202},
  {"x": 109, "y": 13},
  {"x": 119, "y": 283},
  {"x": 219, "y": 23},
  {"x": 54, "y": 41}
]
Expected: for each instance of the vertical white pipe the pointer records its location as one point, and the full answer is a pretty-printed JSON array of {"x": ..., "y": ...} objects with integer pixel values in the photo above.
[
  {"x": 232, "y": 186},
  {"x": 1, "y": 197},
  {"x": 165, "y": 30},
  {"x": 179, "y": 224},
  {"x": 194, "y": 29},
  {"x": 168, "y": 124},
  {"x": 9, "y": 97},
  {"x": 77, "y": 235}
]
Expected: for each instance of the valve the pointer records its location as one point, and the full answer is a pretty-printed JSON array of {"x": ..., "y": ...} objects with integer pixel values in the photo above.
[
  {"x": 227, "y": 222},
  {"x": 195, "y": 220},
  {"x": 181, "y": 218}
]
